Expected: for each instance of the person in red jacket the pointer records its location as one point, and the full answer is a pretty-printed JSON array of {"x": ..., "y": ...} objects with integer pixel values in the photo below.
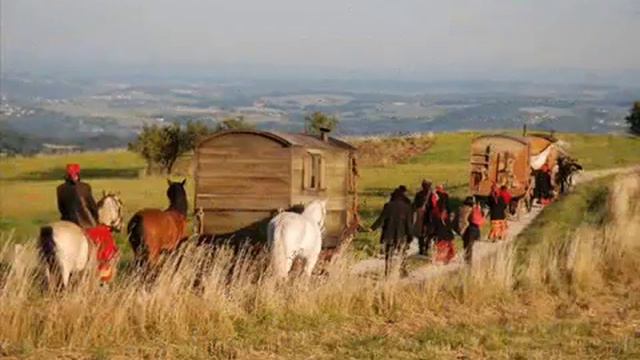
[{"x": 506, "y": 196}]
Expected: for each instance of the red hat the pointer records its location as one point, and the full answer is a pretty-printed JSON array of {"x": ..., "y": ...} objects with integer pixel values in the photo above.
[{"x": 73, "y": 169}]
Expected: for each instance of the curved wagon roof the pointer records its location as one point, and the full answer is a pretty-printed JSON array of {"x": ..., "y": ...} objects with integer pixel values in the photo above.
[
  {"x": 285, "y": 139},
  {"x": 518, "y": 139}
]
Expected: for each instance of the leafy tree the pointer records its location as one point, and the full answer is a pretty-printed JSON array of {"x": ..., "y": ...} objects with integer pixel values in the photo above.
[
  {"x": 234, "y": 123},
  {"x": 634, "y": 118},
  {"x": 163, "y": 145},
  {"x": 318, "y": 120},
  {"x": 196, "y": 130}
]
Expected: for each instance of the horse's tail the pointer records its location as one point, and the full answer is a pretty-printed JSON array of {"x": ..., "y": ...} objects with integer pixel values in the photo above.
[
  {"x": 47, "y": 247},
  {"x": 135, "y": 229}
]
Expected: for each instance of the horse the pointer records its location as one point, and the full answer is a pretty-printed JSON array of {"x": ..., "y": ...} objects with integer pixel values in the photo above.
[
  {"x": 110, "y": 211},
  {"x": 291, "y": 235},
  {"x": 567, "y": 167},
  {"x": 66, "y": 248},
  {"x": 152, "y": 231}
]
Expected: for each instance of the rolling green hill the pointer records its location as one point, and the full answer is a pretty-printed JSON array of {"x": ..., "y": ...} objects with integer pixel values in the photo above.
[{"x": 28, "y": 183}]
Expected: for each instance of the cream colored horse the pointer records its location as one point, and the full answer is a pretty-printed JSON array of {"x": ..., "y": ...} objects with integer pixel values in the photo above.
[
  {"x": 66, "y": 248},
  {"x": 292, "y": 235}
]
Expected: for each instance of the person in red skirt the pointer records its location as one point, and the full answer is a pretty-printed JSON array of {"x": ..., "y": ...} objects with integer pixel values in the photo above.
[
  {"x": 106, "y": 252},
  {"x": 498, "y": 214},
  {"x": 445, "y": 251}
]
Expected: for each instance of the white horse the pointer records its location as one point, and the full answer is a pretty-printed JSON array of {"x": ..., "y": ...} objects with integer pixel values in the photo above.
[
  {"x": 66, "y": 248},
  {"x": 292, "y": 235}
]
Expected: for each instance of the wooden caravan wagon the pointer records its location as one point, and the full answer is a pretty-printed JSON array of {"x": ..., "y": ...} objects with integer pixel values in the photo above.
[
  {"x": 243, "y": 177},
  {"x": 501, "y": 160}
]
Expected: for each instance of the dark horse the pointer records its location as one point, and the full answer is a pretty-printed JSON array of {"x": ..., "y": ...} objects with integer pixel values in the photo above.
[
  {"x": 567, "y": 167},
  {"x": 152, "y": 231}
]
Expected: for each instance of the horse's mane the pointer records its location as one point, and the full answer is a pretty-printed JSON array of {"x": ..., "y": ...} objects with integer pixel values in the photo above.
[
  {"x": 104, "y": 198},
  {"x": 178, "y": 198}
]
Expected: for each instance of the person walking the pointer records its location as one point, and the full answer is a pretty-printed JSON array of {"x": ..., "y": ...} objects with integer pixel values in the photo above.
[
  {"x": 396, "y": 221},
  {"x": 443, "y": 230},
  {"x": 543, "y": 186},
  {"x": 442, "y": 200},
  {"x": 497, "y": 213},
  {"x": 507, "y": 197},
  {"x": 422, "y": 209},
  {"x": 469, "y": 219}
]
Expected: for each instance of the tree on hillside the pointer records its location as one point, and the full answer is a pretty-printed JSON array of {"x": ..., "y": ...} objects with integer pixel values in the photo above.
[
  {"x": 162, "y": 145},
  {"x": 634, "y": 118},
  {"x": 234, "y": 123},
  {"x": 318, "y": 120}
]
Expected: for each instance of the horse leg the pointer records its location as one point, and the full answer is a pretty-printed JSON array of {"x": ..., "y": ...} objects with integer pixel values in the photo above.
[
  {"x": 310, "y": 262},
  {"x": 65, "y": 273},
  {"x": 283, "y": 266},
  {"x": 154, "y": 251},
  {"x": 49, "y": 279}
]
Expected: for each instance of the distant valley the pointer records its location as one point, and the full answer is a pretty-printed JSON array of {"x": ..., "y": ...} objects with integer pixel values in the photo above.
[{"x": 105, "y": 113}]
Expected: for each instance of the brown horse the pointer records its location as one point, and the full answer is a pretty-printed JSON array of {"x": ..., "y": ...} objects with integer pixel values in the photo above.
[{"x": 152, "y": 231}]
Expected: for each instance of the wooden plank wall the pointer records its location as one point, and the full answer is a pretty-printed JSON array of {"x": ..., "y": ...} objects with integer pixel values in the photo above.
[
  {"x": 240, "y": 179},
  {"x": 336, "y": 177},
  {"x": 498, "y": 147}
]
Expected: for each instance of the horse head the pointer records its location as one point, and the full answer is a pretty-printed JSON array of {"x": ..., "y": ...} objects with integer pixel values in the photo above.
[
  {"x": 316, "y": 211},
  {"x": 177, "y": 196},
  {"x": 110, "y": 211}
]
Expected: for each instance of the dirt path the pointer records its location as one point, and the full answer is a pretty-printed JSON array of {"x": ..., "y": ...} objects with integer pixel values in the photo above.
[{"x": 481, "y": 249}]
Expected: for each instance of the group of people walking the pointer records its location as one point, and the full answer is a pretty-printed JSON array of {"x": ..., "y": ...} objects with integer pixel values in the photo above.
[{"x": 430, "y": 219}]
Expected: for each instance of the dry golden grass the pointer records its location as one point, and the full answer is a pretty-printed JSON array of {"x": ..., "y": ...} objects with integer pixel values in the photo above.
[
  {"x": 577, "y": 299},
  {"x": 384, "y": 151}
]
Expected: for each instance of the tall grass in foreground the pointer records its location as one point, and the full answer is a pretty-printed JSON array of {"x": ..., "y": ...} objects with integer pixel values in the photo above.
[
  {"x": 251, "y": 313},
  {"x": 169, "y": 308}
]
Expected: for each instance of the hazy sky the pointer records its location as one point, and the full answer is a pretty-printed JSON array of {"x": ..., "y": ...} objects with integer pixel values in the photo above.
[{"x": 374, "y": 35}]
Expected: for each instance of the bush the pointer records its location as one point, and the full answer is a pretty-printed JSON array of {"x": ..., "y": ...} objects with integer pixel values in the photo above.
[
  {"x": 234, "y": 123},
  {"x": 634, "y": 119},
  {"x": 319, "y": 120},
  {"x": 162, "y": 145}
]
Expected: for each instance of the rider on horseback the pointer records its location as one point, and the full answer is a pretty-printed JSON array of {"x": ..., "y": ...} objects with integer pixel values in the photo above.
[
  {"x": 75, "y": 200},
  {"x": 77, "y": 205}
]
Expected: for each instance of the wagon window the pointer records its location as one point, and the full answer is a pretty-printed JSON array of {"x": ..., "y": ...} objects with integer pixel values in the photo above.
[{"x": 314, "y": 172}]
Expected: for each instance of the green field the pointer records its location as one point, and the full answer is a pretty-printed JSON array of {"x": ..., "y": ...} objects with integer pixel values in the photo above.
[
  {"x": 549, "y": 306},
  {"x": 27, "y": 185}
]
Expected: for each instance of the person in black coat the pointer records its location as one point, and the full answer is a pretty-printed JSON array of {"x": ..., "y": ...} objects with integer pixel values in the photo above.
[
  {"x": 396, "y": 221},
  {"x": 543, "y": 190},
  {"x": 75, "y": 200},
  {"x": 498, "y": 214},
  {"x": 422, "y": 206}
]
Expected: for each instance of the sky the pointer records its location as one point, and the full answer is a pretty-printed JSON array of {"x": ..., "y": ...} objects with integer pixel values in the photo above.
[{"x": 403, "y": 36}]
